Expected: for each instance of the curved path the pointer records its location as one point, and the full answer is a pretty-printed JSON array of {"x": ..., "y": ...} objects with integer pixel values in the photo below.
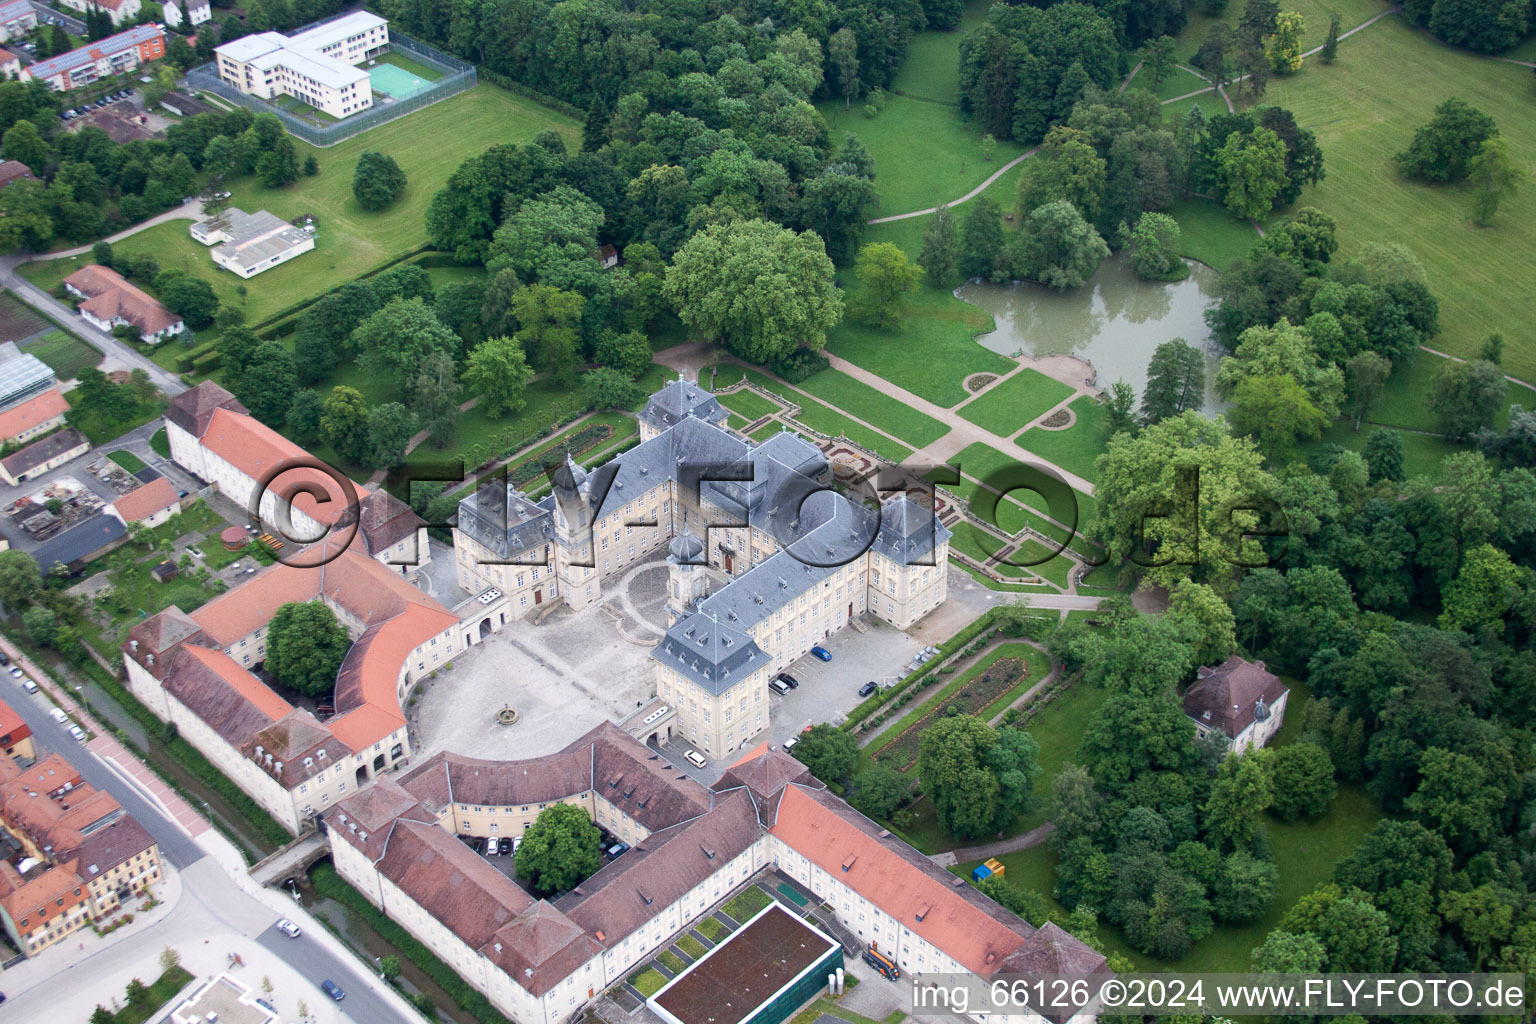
[{"x": 1220, "y": 90}]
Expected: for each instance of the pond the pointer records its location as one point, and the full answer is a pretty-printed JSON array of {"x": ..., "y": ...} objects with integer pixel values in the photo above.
[{"x": 1115, "y": 321}]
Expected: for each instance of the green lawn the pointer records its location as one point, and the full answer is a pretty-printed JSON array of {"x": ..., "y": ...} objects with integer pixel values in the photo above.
[
  {"x": 160, "y": 992},
  {"x": 1179, "y": 83},
  {"x": 129, "y": 461},
  {"x": 932, "y": 68},
  {"x": 648, "y": 982},
  {"x": 1053, "y": 569},
  {"x": 1058, "y": 728},
  {"x": 925, "y": 152},
  {"x": 980, "y": 461},
  {"x": 428, "y": 145},
  {"x": 1476, "y": 272},
  {"x": 1014, "y": 402},
  {"x": 879, "y": 410},
  {"x": 65, "y": 354},
  {"x": 1209, "y": 233},
  {"x": 1209, "y": 103},
  {"x": 1405, "y": 398},
  {"x": 1075, "y": 448},
  {"x": 767, "y": 430},
  {"x": 746, "y": 903},
  {"x": 98, "y": 428},
  {"x": 750, "y": 404},
  {"x": 161, "y": 443},
  {"x": 1314, "y": 13},
  {"x": 937, "y": 333},
  {"x": 829, "y": 421}
]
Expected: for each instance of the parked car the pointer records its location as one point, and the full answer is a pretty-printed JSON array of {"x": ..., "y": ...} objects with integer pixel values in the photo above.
[
  {"x": 332, "y": 989},
  {"x": 222, "y": 195},
  {"x": 78, "y": 733},
  {"x": 15, "y": 672},
  {"x": 868, "y": 688},
  {"x": 288, "y": 928},
  {"x": 789, "y": 744},
  {"x": 492, "y": 848},
  {"x": 58, "y": 715},
  {"x": 822, "y": 653},
  {"x": 788, "y": 680},
  {"x": 777, "y": 686},
  {"x": 617, "y": 848},
  {"x": 505, "y": 845},
  {"x": 695, "y": 758},
  {"x": 4, "y": 660},
  {"x": 29, "y": 686}
]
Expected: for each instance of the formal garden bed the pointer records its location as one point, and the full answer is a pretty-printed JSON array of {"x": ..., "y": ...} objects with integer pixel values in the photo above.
[{"x": 976, "y": 690}]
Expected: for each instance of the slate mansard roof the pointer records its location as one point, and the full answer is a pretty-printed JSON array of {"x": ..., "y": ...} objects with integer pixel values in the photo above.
[{"x": 679, "y": 400}]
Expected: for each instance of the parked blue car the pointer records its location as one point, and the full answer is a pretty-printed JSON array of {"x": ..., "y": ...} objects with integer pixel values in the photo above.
[
  {"x": 333, "y": 990},
  {"x": 822, "y": 653}
]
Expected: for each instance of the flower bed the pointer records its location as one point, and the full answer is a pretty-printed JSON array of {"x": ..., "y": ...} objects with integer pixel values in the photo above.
[{"x": 969, "y": 697}]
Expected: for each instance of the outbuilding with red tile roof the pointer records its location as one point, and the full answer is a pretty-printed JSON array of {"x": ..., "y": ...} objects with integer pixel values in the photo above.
[
  {"x": 151, "y": 504},
  {"x": 35, "y": 416}
]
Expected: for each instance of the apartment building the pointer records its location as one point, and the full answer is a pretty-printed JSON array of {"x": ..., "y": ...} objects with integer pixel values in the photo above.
[{"x": 317, "y": 66}]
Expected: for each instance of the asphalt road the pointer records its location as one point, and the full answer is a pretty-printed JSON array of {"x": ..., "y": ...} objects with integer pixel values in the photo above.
[{"x": 208, "y": 884}]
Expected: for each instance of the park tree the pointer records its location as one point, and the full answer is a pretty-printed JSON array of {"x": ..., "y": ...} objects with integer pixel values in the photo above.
[
  {"x": 1245, "y": 887},
  {"x": 887, "y": 276},
  {"x": 1258, "y": 20},
  {"x": 1289, "y": 952},
  {"x": 1384, "y": 455},
  {"x": 1119, "y": 403},
  {"x": 24, "y": 143},
  {"x": 1058, "y": 247},
  {"x": 1284, "y": 46},
  {"x": 20, "y": 578},
  {"x": 1250, "y": 172},
  {"x": 344, "y": 423},
  {"x": 393, "y": 341},
  {"x": 305, "y": 647},
  {"x": 496, "y": 316},
  {"x": 607, "y": 388},
  {"x": 836, "y": 206},
  {"x": 304, "y": 413},
  {"x": 559, "y": 849},
  {"x": 1242, "y": 792},
  {"x": 1486, "y": 587},
  {"x": 1066, "y": 167},
  {"x": 1303, "y": 781},
  {"x": 1330, "y": 50},
  {"x": 26, "y": 215},
  {"x": 498, "y": 371},
  {"x": 981, "y": 239},
  {"x": 977, "y": 777},
  {"x": 267, "y": 384},
  {"x": 1465, "y": 395},
  {"x": 843, "y": 60},
  {"x": 549, "y": 329},
  {"x": 1208, "y": 619},
  {"x": 1442, "y": 149},
  {"x": 1494, "y": 178},
  {"x": 390, "y": 429},
  {"x": 378, "y": 181},
  {"x": 548, "y": 230},
  {"x": 757, "y": 288},
  {"x": 1367, "y": 374},
  {"x": 1154, "y": 248},
  {"x": 1276, "y": 412},
  {"x": 278, "y": 166},
  {"x": 1214, "y": 57},
  {"x": 42, "y": 626},
  {"x": 829, "y": 753},
  {"x": 1160, "y": 57},
  {"x": 192, "y": 299},
  {"x": 1282, "y": 350},
  {"x": 879, "y": 791},
  {"x": 941, "y": 250},
  {"x": 1150, "y": 510},
  {"x": 629, "y": 352},
  {"x": 1175, "y": 381},
  {"x": 435, "y": 398},
  {"x": 1456, "y": 798}
]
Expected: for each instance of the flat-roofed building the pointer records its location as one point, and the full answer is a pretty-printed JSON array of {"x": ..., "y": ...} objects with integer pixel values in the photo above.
[
  {"x": 249, "y": 243},
  {"x": 317, "y": 66}
]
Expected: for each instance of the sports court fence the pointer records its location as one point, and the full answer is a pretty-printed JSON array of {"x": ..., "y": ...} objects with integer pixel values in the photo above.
[{"x": 458, "y": 76}]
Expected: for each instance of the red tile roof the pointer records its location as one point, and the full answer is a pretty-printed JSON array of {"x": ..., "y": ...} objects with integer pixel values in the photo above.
[
  {"x": 193, "y": 410},
  {"x": 144, "y": 502},
  {"x": 1226, "y": 697},
  {"x": 18, "y": 420},
  {"x": 13, "y": 170},
  {"x": 12, "y": 725},
  {"x": 111, "y": 297},
  {"x": 263, "y": 454}
]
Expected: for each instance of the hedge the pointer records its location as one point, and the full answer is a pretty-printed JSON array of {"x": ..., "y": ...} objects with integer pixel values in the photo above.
[
  {"x": 207, "y": 362},
  {"x": 188, "y": 359},
  {"x": 948, "y": 647},
  {"x": 332, "y": 886},
  {"x": 300, "y": 306}
]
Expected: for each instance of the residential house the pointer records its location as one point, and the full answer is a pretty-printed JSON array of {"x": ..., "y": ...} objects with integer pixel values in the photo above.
[{"x": 110, "y": 301}]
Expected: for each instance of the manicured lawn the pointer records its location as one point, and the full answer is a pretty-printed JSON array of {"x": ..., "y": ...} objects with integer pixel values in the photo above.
[
  {"x": 1209, "y": 233},
  {"x": 428, "y": 145},
  {"x": 691, "y": 946},
  {"x": 750, "y": 404},
  {"x": 1075, "y": 448},
  {"x": 972, "y": 540},
  {"x": 98, "y": 428},
  {"x": 1314, "y": 13},
  {"x": 980, "y": 461},
  {"x": 65, "y": 354},
  {"x": 1477, "y": 272},
  {"x": 819, "y": 417},
  {"x": 880, "y": 410},
  {"x": 129, "y": 461},
  {"x": 935, "y": 348},
  {"x": 161, "y": 443},
  {"x": 1405, "y": 399},
  {"x": 766, "y": 431},
  {"x": 1422, "y": 453},
  {"x": 1177, "y": 84},
  {"x": 1209, "y": 103},
  {"x": 648, "y": 982},
  {"x": 710, "y": 928},
  {"x": 932, "y": 68},
  {"x": 671, "y": 961},
  {"x": 160, "y": 992},
  {"x": 746, "y": 903},
  {"x": 1053, "y": 569},
  {"x": 1009, "y": 405},
  {"x": 925, "y": 153}
]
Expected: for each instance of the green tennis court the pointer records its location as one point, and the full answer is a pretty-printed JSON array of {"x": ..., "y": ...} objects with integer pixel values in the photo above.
[{"x": 396, "y": 82}]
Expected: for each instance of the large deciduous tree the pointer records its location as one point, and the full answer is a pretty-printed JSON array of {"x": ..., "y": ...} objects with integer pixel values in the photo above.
[
  {"x": 1250, "y": 172},
  {"x": 759, "y": 289},
  {"x": 378, "y": 180},
  {"x": 1175, "y": 381},
  {"x": 1058, "y": 248},
  {"x": 887, "y": 276},
  {"x": 1442, "y": 149},
  {"x": 559, "y": 849},
  {"x": 977, "y": 777},
  {"x": 829, "y": 753},
  {"x": 499, "y": 371},
  {"x": 305, "y": 646},
  {"x": 395, "y": 340},
  {"x": 1303, "y": 780}
]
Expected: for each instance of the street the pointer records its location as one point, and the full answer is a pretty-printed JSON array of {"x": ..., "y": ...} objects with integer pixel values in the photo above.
[{"x": 219, "y": 910}]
